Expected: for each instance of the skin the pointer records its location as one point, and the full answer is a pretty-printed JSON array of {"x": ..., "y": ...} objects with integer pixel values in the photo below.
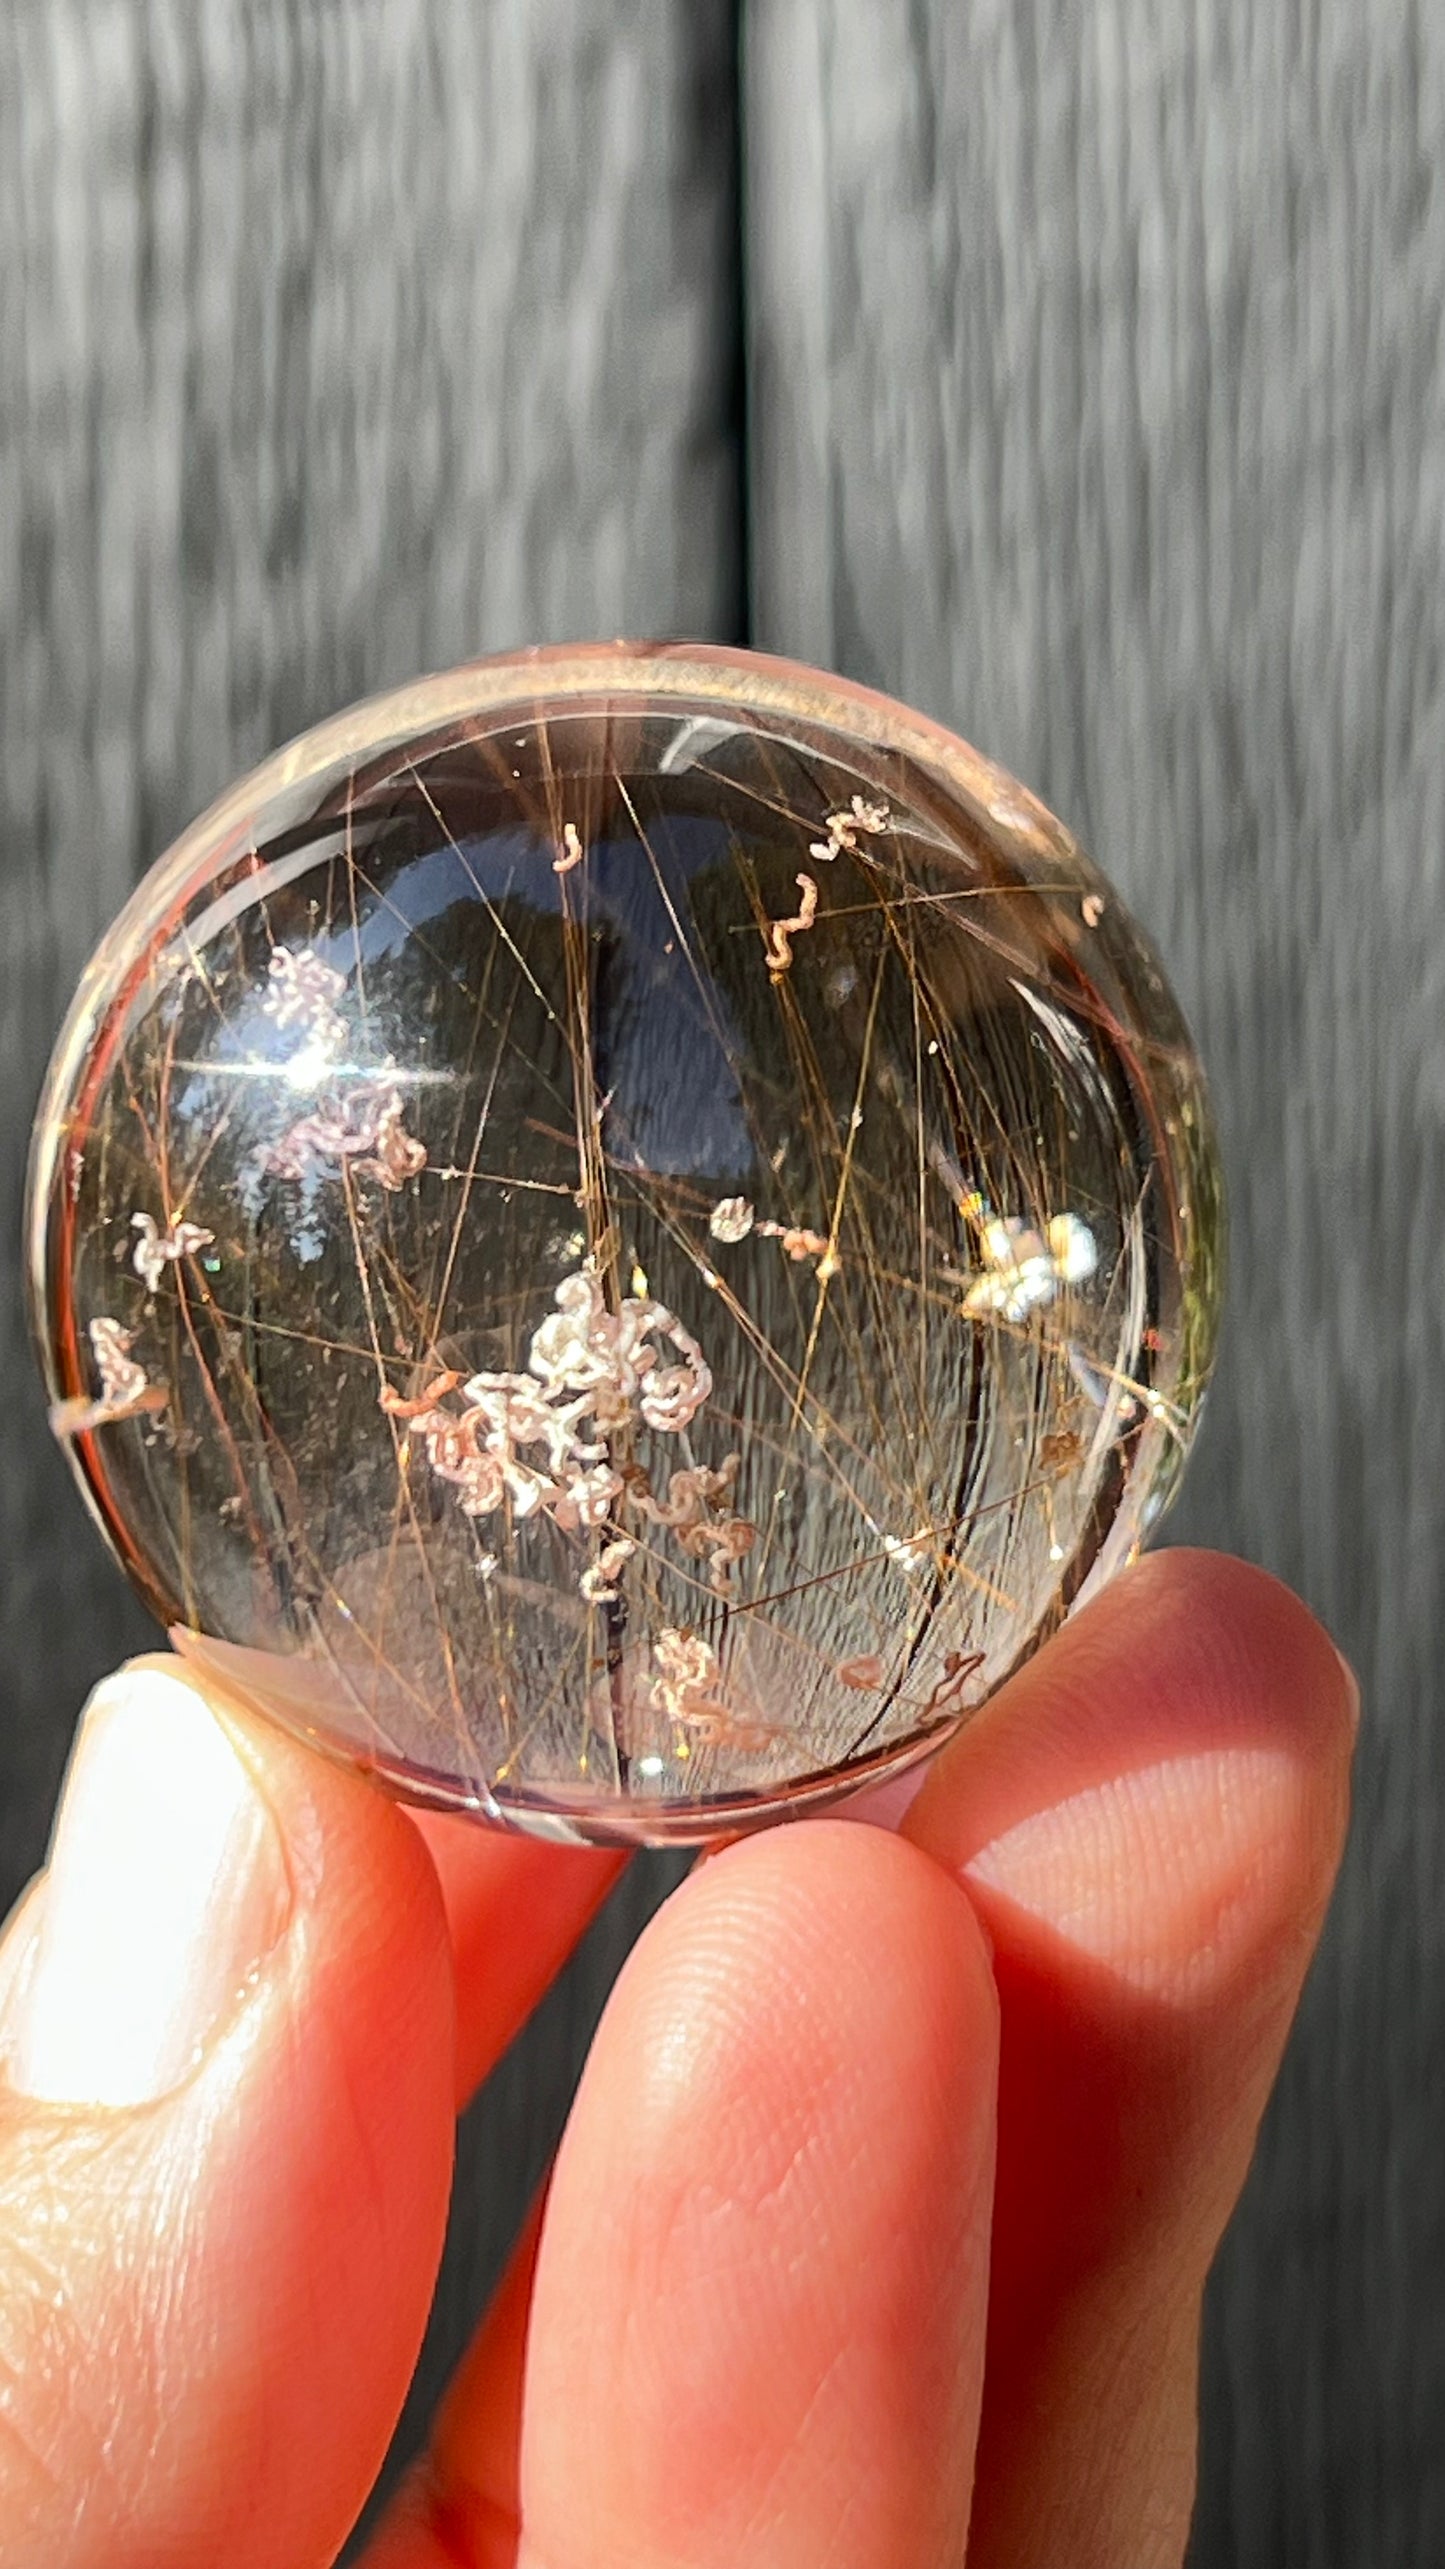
[{"x": 877, "y": 2236}]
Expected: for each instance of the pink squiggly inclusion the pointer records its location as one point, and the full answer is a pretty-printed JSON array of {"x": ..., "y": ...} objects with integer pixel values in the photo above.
[
  {"x": 537, "y": 1442},
  {"x": 364, "y": 1126}
]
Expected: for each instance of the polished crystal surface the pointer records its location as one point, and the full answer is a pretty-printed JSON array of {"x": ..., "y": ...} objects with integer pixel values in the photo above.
[{"x": 625, "y": 1230}]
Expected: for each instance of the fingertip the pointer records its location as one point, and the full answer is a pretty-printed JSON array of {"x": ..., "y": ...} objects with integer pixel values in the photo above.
[
  {"x": 831, "y": 1911},
  {"x": 1149, "y": 1817},
  {"x": 785, "y": 1989},
  {"x": 1249, "y": 1636},
  {"x": 765, "y": 2246},
  {"x": 1187, "y": 1655}
]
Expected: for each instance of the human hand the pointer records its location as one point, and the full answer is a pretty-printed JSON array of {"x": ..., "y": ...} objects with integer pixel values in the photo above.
[{"x": 879, "y": 2229}]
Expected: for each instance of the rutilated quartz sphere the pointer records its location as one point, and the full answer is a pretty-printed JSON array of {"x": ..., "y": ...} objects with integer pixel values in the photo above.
[{"x": 624, "y": 1230}]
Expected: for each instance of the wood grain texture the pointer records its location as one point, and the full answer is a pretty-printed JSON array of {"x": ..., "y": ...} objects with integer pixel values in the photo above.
[
  {"x": 336, "y": 343},
  {"x": 1096, "y": 404}
]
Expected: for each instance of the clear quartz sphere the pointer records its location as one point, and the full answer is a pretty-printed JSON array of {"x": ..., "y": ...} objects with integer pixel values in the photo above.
[{"x": 624, "y": 1231}]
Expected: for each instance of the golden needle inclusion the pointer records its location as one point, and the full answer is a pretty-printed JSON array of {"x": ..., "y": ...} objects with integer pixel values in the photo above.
[{"x": 624, "y": 1230}]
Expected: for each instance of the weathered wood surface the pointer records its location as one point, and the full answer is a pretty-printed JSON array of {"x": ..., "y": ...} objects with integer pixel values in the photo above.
[
  {"x": 336, "y": 343},
  {"x": 1096, "y": 404}
]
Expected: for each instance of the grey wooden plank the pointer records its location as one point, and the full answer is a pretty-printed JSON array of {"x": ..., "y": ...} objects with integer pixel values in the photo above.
[
  {"x": 1096, "y": 405},
  {"x": 335, "y": 344}
]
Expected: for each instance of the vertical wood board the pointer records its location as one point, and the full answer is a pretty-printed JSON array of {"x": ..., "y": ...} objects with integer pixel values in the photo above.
[
  {"x": 335, "y": 344},
  {"x": 1096, "y": 405}
]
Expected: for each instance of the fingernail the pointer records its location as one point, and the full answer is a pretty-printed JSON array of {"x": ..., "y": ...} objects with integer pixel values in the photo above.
[
  {"x": 166, "y": 1888},
  {"x": 1352, "y": 1685}
]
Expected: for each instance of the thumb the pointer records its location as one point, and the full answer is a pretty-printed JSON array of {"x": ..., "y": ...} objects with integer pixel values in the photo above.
[{"x": 226, "y": 2072}]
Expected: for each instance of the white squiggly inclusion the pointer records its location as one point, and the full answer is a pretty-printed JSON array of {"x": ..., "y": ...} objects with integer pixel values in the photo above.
[
  {"x": 156, "y": 1249},
  {"x": 537, "y": 1442}
]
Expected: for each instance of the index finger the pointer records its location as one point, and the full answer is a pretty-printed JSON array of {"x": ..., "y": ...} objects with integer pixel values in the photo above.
[{"x": 1147, "y": 1819}]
